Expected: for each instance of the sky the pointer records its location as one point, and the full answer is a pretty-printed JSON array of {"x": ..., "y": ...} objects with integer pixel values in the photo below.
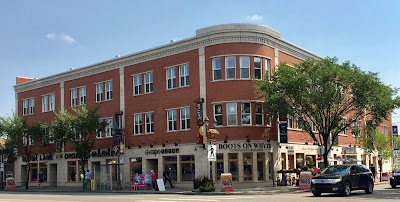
[{"x": 47, "y": 37}]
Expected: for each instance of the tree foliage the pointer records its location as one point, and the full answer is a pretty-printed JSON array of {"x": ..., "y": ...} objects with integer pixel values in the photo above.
[{"x": 322, "y": 92}]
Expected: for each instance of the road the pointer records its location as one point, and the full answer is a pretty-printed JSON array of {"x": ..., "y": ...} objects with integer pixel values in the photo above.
[{"x": 381, "y": 193}]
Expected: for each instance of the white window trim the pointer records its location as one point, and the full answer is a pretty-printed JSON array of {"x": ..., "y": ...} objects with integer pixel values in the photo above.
[
  {"x": 185, "y": 77},
  {"x": 260, "y": 68},
  {"x": 25, "y": 107},
  {"x": 227, "y": 114},
  {"x": 140, "y": 131},
  {"x": 139, "y": 85},
  {"x": 32, "y": 107},
  {"x": 262, "y": 114},
  {"x": 147, "y": 123},
  {"x": 108, "y": 91},
  {"x": 45, "y": 103},
  {"x": 215, "y": 69},
  {"x": 222, "y": 113},
  {"x": 226, "y": 67},
  {"x": 52, "y": 102},
  {"x": 267, "y": 67},
  {"x": 74, "y": 97},
  {"x": 241, "y": 114},
  {"x": 81, "y": 95},
  {"x": 149, "y": 83},
  {"x": 187, "y": 118},
  {"x": 168, "y": 120},
  {"x": 173, "y": 84},
  {"x": 343, "y": 133},
  {"x": 244, "y": 67},
  {"x": 99, "y": 92}
]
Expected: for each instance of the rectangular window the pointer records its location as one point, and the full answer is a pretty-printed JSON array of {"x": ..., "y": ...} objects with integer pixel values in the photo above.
[
  {"x": 170, "y": 165},
  {"x": 51, "y": 137},
  {"x": 109, "y": 127},
  {"x": 269, "y": 121},
  {"x": 82, "y": 95},
  {"x": 24, "y": 107},
  {"x": 99, "y": 92},
  {"x": 313, "y": 126},
  {"x": 52, "y": 105},
  {"x": 171, "y": 77},
  {"x": 290, "y": 121},
  {"x": 259, "y": 114},
  {"x": 109, "y": 90},
  {"x": 31, "y": 140},
  {"x": 137, "y": 83},
  {"x": 343, "y": 123},
  {"x": 149, "y": 122},
  {"x": 268, "y": 69},
  {"x": 261, "y": 166},
  {"x": 246, "y": 114},
  {"x": 43, "y": 169},
  {"x": 247, "y": 166},
  {"x": 32, "y": 106},
  {"x": 148, "y": 82},
  {"x": 219, "y": 165},
  {"x": 45, "y": 103},
  {"x": 34, "y": 172},
  {"x": 25, "y": 139},
  {"x": 171, "y": 119},
  {"x": 216, "y": 66},
  {"x": 257, "y": 68},
  {"x": 231, "y": 109},
  {"x": 233, "y": 166},
  {"x": 138, "y": 124},
  {"x": 244, "y": 67},
  {"x": 185, "y": 118},
  {"x": 73, "y": 175},
  {"x": 184, "y": 75},
  {"x": 297, "y": 122},
  {"x": 187, "y": 167},
  {"x": 218, "y": 114},
  {"x": 74, "y": 97},
  {"x": 230, "y": 67}
]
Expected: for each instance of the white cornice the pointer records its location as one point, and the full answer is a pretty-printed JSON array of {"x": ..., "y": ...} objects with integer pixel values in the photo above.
[{"x": 168, "y": 50}]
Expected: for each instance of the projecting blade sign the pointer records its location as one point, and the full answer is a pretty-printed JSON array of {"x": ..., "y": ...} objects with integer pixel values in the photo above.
[{"x": 212, "y": 152}]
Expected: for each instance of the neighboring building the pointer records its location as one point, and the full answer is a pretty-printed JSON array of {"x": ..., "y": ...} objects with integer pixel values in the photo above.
[{"x": 156, "y": 90}]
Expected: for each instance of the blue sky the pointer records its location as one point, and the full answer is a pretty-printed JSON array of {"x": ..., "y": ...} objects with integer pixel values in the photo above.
[{"x": 42, "y": 38}]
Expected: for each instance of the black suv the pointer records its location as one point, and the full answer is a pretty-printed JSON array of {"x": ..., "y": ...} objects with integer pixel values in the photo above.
[
  {"x": 395, "y": 179},
  {"x": 343, "y": 179}
]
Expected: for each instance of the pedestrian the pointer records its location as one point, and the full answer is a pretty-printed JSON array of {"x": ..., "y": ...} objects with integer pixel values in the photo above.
[
  {"x": 88, "y": 175},
  {"x": 167, "y": 177},
  {"x": 315, "y": 171},
  {"x": 73, "y": 175},
  {"x": 153, "y": 178},
  {"x": 373, "y": 170},
  {"x": 41, "y": 179},
  {"x": 136, "y": 181}
]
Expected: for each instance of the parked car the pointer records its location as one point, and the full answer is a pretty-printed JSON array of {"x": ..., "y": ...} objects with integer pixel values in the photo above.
[
  {"x": 343, "y": 179},
  {"x": 395, "y": 179}
]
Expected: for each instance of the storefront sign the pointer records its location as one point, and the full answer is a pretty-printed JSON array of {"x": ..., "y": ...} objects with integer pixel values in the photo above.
[
  {"x": 39, "y": 157},
  {"x": 349, "y": 150},
  {"x": 244, "y": 146},
  {"x": 161, "y": 151}
]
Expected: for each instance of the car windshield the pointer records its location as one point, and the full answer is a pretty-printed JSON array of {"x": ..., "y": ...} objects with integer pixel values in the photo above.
[
  {"x": 398, "y": 170},
  {"x": 336, "y": 170}
]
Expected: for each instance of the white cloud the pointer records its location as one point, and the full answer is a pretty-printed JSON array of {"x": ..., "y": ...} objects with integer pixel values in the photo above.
[
  {"x": 62, "y": 37},
  {"x": 254, "y": 17}
]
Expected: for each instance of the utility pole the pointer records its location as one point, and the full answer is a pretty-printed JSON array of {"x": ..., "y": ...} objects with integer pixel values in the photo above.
[{"x": 118, "y": 146}]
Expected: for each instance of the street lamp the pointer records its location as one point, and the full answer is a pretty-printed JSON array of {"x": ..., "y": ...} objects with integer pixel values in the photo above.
[{"x": 211, "y": 137}]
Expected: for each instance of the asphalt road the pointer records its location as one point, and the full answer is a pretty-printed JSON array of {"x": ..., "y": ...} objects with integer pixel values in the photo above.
[{"x": 381, "y": 193}]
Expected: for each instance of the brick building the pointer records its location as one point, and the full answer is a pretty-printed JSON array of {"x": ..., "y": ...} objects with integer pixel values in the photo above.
[{"x": 156, "y": 90}]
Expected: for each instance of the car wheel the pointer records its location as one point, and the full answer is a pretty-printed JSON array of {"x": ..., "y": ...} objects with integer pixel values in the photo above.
[
  {"x": 346, "y": 189},
  {"x": 316, "y": 194},
  {"x": 369, "y": 189}
]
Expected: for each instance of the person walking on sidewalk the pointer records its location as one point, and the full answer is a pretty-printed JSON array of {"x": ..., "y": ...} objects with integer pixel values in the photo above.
[
  {"x": 373, "y": 170},
  {"x": 153, "y": 178},
  {"x": 41, "y": 179},
  {"x": 167, "y": 177}
]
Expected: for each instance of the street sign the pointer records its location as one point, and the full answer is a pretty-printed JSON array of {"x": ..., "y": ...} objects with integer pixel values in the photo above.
[{"x": 212, "y": 153}]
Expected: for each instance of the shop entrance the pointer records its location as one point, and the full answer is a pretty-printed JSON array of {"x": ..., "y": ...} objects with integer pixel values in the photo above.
[
  {"x": 24, "y": 174},
  {"x": 291, "y": 162},
  {"x": 152, "y": 164},
  {"x": 53, "y": 175}
]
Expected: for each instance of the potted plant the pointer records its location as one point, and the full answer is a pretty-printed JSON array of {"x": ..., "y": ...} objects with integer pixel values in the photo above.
[{"x": 203, "y": 184}]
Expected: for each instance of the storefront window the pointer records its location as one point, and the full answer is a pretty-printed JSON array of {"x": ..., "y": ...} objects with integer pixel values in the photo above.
[
  {"x": 34, "y": 172},
  {"x": 136, "y": 167},
  {"x": 261, "y": 166},
  {"x": 299, "y": 161},
  {"x": 171, "y": 162},
  {"x": 283, "y": 161},
  {"x": 187, "y": 167},
  {"x": 247, "y": 166},
  {"x": 219, "y": 165},
  {"x": 233, "y": 166},
  {"x": 43, "y": 168},
  {"x": 72, "y": 171}
]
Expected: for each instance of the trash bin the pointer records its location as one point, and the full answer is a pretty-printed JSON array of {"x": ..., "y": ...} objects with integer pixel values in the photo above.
[{"x": 86, "y": 184}]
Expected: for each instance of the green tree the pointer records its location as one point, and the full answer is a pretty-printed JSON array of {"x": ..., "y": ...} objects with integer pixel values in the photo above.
[
  {"x": 320, "y": 93},
  {"x": 22, "y": 137},
  {"x": 79, "y": 128},
  {"x": 372, "y": 141}
]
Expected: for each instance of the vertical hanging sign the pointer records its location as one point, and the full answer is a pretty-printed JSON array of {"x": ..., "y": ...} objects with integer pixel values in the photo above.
[
  {"x": 199, "y": 111},
  {"x": 283, "y": 137}
]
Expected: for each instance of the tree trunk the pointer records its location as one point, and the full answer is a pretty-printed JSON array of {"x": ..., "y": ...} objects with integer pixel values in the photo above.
[
  {"x": 27, "y": 175},
  {"x": 380, "y": 170},
  {"x": 325, "y": 155},
  {"x": 83, "y": 170}
]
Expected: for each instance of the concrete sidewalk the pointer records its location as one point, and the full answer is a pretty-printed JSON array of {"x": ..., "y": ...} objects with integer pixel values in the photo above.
[{"x": 176, "y": 190}]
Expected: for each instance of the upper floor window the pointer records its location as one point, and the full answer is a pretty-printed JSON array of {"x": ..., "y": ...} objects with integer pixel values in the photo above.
[
  {"x": 216, "y": 66},
  {"x": 107, "y": 130},
  {"x": 74, "y": 97},
  {"x": 290, "y": 121},
  {"x": 148, "y": 82},
  {"x": 99, "y": 92},
  {"x": 48, "y": 102},
  {"x": 31, "y": 140},
  {"x": 313, "y": 126},
  {"x": 297, "y": 122},
  {"x": 25, "y": 138},
  {"x": 137, "y": 82},
  {"x": 171, "y": 114},
  {"x": 257, "y": 68},
  {"x": 109, "y": 91},
  {"x": 149, "y": 117},
  {"x": 82, "y": 95},
  {"x": 343, "y": 124},
  {"x": 246, "y": 114},
  {"x": 244, "y": 67},
  {"x": 184, "y": 75},
  {"x": 137, "y": 124},
  {"x": 259, "y": 114},
  {"x": 268, "y": 69},
  {"x": 185, "y": 118},
  {"x": 218, "y": 114},
  {"x": 231, "y": 109},
  {"x": 45, "y": 103},
  {"x": 25, "y": 107},
  {"x": 32, "y": 106},
  {"x": 51, "y": 137},
  {"x": 171, "y": 77},
  {"x": 230, "y": 67},
  {"x": 385, "y": 130}
]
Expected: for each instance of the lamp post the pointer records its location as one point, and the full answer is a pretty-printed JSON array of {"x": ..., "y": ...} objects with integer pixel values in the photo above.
[
  {"x": 211, "y": 137},
  {"x": 206, "y": 125}
]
